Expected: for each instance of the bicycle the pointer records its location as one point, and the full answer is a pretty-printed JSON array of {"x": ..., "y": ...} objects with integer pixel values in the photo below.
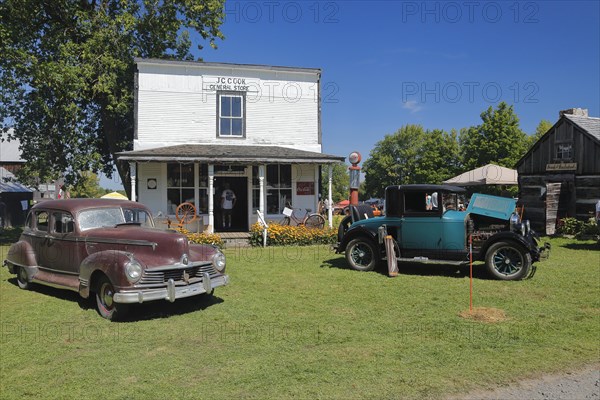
[{"x": 310, "y": 220}]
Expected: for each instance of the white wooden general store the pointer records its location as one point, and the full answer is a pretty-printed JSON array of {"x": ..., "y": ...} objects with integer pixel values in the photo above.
[{"x": 201, "y": 126}]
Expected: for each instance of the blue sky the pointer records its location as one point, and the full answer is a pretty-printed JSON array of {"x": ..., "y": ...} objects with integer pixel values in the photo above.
[{"x": 438, "y": 64}]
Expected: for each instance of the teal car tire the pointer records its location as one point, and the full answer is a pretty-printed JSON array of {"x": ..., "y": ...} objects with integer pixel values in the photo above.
[
  {"x": 361, "y": 254},
  {"x": 508, "y": 261}
]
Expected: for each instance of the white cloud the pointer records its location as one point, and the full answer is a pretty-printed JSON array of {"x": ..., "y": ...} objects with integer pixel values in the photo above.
[{"x": 412, "y": 106}]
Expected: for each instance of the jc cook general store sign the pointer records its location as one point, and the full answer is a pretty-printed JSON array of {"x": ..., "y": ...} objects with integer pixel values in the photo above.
[
  {"x": 257, "y": 88},
  {"x": 212, "y": 84}
]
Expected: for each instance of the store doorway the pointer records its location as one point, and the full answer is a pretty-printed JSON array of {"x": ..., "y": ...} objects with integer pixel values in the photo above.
[{"x": 239, "y": 212}]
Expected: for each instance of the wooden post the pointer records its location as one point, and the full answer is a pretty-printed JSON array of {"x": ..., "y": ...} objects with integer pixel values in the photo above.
[
  {"x": 470, "y": 273},
  {"x": 261, "y": 219},
  {"x": 391, "y": 256}
]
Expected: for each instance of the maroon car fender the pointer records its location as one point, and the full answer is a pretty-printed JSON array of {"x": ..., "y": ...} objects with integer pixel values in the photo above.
[
  {"x": 202, "y": 252},
  {"x": 21, "y": 254},
  {"x": 109, "y": 262}
]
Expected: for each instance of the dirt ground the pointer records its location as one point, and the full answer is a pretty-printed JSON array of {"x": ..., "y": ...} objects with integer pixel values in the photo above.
[{"x": 577, "y": 385}]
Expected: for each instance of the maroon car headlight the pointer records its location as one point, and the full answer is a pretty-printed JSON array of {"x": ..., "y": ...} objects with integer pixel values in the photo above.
[
  {"x": 219, "y": 262},
  {"x": 133, "y": 270}
]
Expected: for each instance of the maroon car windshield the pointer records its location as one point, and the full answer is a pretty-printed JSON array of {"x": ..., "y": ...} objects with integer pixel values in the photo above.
[{"x": 113, "y": 216}]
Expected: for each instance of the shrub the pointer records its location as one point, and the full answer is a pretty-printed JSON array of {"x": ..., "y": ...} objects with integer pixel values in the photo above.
[
  {"x": 573, "y": 226},
  {"x": 285, "y": 235},
  {"x": 569, "y": 226},
  {"x": 590, "y": 227},
  {"x": 203, "y": 238}
]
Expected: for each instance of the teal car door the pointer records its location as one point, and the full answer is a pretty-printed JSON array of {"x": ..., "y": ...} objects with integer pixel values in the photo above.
[{"x": 421, "y": 232}]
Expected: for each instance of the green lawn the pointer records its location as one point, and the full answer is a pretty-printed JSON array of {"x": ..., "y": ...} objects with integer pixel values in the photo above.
[{"x": 294, "y": 323}]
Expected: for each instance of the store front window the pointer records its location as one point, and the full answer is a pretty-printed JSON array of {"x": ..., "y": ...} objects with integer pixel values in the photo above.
[
  {"x": 279, "y": 187},
  {"x": 180, "y": 185}
]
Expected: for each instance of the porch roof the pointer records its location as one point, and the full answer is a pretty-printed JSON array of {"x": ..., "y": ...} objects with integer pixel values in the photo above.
[{"x": 228, "y": 154}]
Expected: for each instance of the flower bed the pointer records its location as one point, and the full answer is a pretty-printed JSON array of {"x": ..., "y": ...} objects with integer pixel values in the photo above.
[
  {"x": 285, "y": 235},
  {"x": 203, "y": 238}
]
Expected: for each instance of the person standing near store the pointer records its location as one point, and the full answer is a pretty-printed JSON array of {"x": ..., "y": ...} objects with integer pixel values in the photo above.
[{"x": 227, "y": 203}]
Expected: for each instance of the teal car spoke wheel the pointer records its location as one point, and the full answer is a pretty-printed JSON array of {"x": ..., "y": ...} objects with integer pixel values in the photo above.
[
  {"x": 508, "y": 261},
  {"x": 361, "y": 254}
]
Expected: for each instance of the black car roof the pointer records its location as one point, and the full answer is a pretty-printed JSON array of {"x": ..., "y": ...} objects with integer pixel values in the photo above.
[{"x": 427, "y": 188}]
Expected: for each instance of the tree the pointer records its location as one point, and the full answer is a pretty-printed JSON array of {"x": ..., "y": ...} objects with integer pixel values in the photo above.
[
  {"x": 439, "y": 157},
  {"x": 392, "y": 160},
  {"x": 88, "y": 186},
  {"x": 411, "y": 155},
  {"x": 498, "y": 140},
  {"x": 67, "y": 74},
  {"x": 340, "y": 182},
  {"x": 543, "y": 127}
]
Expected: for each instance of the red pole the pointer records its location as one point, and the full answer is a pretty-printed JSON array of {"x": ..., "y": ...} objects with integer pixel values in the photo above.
[
  {"x": 470, "y": 273},
  {"x": 354, "y": 191}
]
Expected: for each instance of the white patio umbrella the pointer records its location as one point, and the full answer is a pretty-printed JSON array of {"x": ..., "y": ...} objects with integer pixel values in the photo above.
[
  {"x": 487, "y": 175},
  {"x": 114, "y": 195}
]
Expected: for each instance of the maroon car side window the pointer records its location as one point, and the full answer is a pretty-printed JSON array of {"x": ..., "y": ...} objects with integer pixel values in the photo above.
[
  {"x": 41, "y": 221},
  {"x": 63, "y": 223}
]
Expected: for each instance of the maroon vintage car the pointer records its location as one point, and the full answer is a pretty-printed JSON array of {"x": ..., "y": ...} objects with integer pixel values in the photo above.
[{"x": 111, "y": 249}]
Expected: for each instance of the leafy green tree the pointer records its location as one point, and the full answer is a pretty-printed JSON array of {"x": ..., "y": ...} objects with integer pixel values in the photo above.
[
  {"x": 67, "y": 74},
  {"x": 411, "y": 155},
  {"x": 498, "y": 140},
  {"x": 439, "y": 157},
  {"x": 87, "y": 186},
  {"x": 543, "y": 127},
  {"x": 393, "y": 160},
  {"x": 340, "y": 182}
]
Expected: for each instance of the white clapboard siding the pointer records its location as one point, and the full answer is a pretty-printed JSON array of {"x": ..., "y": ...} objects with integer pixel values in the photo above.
[{"x": 176, "y": 104}]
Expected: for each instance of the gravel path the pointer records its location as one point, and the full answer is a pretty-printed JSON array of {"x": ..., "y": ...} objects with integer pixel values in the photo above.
[{"x": 579, "y": 385}]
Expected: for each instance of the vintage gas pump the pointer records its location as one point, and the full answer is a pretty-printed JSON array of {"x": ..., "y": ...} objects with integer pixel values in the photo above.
[{"x": 354, "y": 159}]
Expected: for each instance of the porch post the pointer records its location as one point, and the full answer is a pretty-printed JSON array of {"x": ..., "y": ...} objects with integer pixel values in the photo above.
[
  {"x": 211, "y": 205},
  {"x": 329, "y": 199},
  {"x": 197, "y": 187},
  {"x": 133, "y": 174},
  {"x": 261, "y": 185},
  {"x": 318, "y": 195}
]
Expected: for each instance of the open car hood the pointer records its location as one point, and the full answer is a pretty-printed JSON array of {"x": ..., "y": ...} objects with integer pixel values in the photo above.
[{"x": 492, "y": 206}]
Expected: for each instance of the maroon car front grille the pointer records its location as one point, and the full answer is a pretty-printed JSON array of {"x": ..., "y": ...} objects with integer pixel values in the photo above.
[{"x": 177, "y": 274}]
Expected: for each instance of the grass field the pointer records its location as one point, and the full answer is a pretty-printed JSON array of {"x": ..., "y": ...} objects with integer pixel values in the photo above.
[{"x": 295, "y": 323}]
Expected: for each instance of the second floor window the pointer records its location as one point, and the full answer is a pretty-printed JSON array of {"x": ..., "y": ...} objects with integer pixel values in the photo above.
[{"x": 231, "y": 115}]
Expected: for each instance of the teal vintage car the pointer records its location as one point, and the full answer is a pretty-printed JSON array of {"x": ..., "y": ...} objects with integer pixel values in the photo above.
[{"x": 432, "y": 224}]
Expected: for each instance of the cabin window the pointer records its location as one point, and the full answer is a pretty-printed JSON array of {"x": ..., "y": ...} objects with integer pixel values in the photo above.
[
  {"x": 231, "y": 112},
  {"x": 564, "y": 152}
]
